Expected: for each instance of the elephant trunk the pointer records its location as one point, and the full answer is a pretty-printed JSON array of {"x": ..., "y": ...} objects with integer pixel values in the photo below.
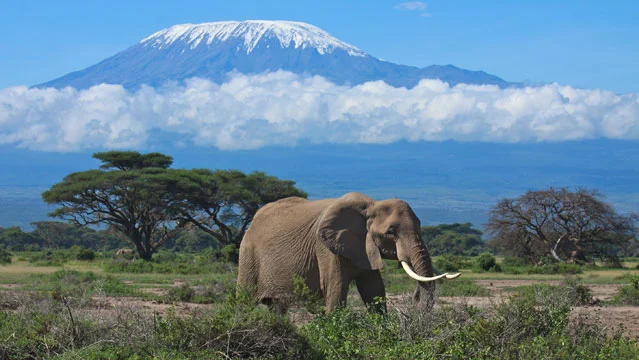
[{"x": 420, "y": 262}]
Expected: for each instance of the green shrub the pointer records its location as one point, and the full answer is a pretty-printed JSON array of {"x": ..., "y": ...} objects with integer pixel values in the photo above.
[
  {"x": 5, "y": 256},
  {"x": 85, "y": 254},
  {"x": 237, "y": 329},
  {"x": 555, "y": 268},
  {"x": 180, "y": 265},
  {"x": 82, "y": 285},
  {"x": 449, "y": 263},
  {"x": 532, "y": 325},
  {"x": 181, "y": 293},
  {"x": 629, "y": 294},
  {"x": 485, "y": 262},
  {"x": 461, "y": 287},
  {"x": 306, "y": 297},
  {"x": 230, "y": 253},
  {"x": 513, "y": 261}
]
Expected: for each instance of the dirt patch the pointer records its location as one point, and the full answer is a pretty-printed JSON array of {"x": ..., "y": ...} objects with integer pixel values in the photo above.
[
  {"x": 179, "y": 308},
  {"x": 155, "y": 291},
  {"x": 610, "y": 318},
  {"x": 10, "y": 286}
]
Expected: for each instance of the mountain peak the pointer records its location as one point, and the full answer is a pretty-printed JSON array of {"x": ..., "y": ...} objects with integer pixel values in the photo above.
[{"x": 250, "y": 33}]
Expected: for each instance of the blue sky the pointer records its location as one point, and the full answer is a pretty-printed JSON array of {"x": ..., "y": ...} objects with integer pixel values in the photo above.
[{"x": 585, "y": 44}]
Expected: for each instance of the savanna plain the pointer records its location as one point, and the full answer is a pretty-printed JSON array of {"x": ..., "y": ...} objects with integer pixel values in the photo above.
[{"x": 82, "y": 304}]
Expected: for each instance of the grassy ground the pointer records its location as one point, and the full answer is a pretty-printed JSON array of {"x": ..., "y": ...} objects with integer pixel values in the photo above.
[{"x": 82, "y": 309}]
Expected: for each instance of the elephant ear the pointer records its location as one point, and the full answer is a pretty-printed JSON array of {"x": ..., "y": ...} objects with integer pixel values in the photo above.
[{"x": 342, "y": 229}]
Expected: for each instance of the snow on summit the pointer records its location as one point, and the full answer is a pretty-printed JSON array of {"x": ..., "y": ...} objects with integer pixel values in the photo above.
[{"x": 251, "y": 33}]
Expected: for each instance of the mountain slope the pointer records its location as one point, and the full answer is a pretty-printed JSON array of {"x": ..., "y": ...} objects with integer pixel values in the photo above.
[{"x": 212, "y": 50}]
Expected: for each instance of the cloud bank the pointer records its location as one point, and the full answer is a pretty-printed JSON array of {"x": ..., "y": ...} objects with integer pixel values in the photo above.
[{"x": 252, "y": 111}]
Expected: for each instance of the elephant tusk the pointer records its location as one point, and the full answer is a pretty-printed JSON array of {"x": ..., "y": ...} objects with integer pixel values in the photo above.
[
  {"x": 412, "y": 274},
  {"x": 448, "y": 277}
]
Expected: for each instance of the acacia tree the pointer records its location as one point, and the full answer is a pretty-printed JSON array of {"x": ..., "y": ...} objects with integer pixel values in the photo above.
[
  {"x": 146, "y": 203},
  {"x": 128, "y": 193},
  {"x": 568, "y": 225},
  {"x": 224, "y": 202}
]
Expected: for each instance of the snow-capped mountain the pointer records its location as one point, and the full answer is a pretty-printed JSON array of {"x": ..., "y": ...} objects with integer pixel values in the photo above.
[
  {"x": 288, "y": 33},
  {"x": 212, "y": 50}
]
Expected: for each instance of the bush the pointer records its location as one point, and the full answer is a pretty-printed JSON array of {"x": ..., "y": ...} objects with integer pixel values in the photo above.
[
  {"x": 449, "y": 263},
  {"x": 513, "y": 261},
  {"x": 230, "y": 253},
  {"x": 181, "y": 293},
  {"x": 461, "y": 287},
  {"x": 629, "y": 294},
  {"x": 182, "y": 265},
  {"x": 485, "y": 262},
  {"x": 82, "y": 285},
  {"x": 237, "y": 329},
  {"x": 555, "y": 268},
  {"x": 5, "y": 256},
  {"x": 85, "y": 254},
  {"x": 532, "y": 325}
]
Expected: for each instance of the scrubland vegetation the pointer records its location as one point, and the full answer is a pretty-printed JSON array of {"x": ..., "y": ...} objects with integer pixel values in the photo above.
[{"x": 94, "y": 309}]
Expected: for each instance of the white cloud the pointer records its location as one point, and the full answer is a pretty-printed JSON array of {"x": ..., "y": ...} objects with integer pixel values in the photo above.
[
  {"x": 251, "y": 111},
  {"x": 411, "y": 6}
]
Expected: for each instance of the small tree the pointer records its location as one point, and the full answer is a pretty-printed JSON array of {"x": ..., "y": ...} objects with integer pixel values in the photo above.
[
  {"x": 567, "y": 225},
  {"x": 128, "y": 193}
]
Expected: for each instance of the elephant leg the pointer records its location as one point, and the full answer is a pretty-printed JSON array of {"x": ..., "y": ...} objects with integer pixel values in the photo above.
[
  {"x": 336, "y": 294},
  {"x": 248, "y": 271},
  {"x": 371, "y": 288},
  {"x": 275, "y": 305}
]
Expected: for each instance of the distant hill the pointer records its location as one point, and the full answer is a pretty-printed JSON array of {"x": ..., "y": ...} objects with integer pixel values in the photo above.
[{"x": 444, "y": 182}]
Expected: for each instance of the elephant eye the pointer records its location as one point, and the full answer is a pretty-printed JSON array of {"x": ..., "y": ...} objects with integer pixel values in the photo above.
[{"x": 391, "y": 230}]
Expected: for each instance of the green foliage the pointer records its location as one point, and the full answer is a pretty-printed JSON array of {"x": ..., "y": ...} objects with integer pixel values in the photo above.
[
  {"x": 81, "y": 285},
  {"x": 168, "y": 262},
  {"x": 17, "y": 240},
  {"x": 224, "y": 202},
  {"x": 629, "y": 294},
  {"x": 532, "y": 325},
  {"x": 306, "y": 297},
  {"x": 555, "y": 268},
  {"x": 143, "y": 200},
  {"x": 181, "y": 293},
  {"x": 5, "y": 256},
  {"x": 83, "y": 253},
  {"x": 58, "y": 235},
  {"x": 450, "y": 263},
  {"x": 486, "y": 262},
  {"x": 238, "y": 329},
  {"x": 513, "y": 261},
  {"x": 230, "y": 253},
  {"x": 569, "y": 292},
  {"x": 453, "y": 239},
  {"x": 461, "y": 287}
]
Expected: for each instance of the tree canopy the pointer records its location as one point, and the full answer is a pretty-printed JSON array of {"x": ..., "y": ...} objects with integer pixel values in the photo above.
[
  {"x": 453, "y": 239},
  {"x": 224, "y": 202},
  {"x": 140, "y": 198},
  {"x": 567, "y": 225}
]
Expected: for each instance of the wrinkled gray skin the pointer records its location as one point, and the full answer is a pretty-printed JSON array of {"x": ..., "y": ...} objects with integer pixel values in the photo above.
[{"x": 329, "y": 243}]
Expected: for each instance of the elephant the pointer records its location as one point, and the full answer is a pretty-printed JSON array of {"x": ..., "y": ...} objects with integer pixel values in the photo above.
[{"x": 329, "y": 243}]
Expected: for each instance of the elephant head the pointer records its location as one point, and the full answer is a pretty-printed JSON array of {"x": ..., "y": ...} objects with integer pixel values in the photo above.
[{"x": 365, "y": 231}]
